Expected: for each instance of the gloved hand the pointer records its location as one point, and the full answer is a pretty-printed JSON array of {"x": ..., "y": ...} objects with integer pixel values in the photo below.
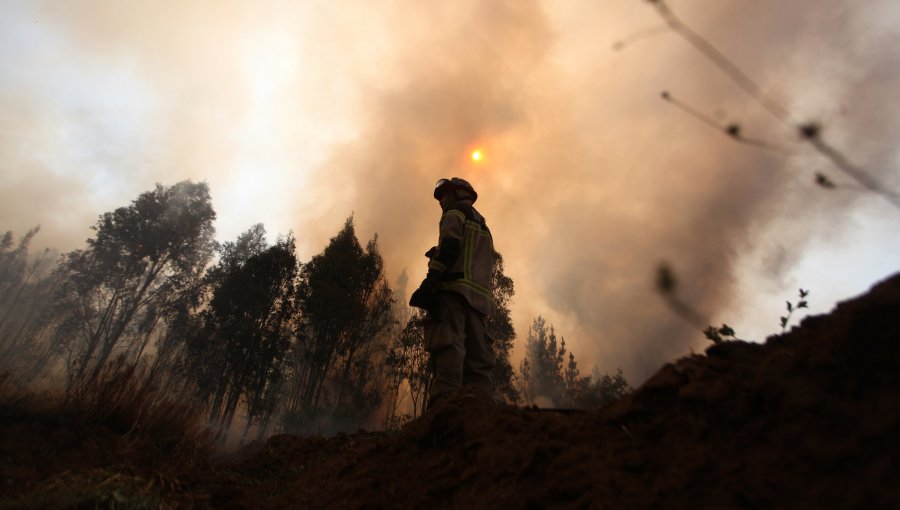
[{"x": 423, "y": 297}]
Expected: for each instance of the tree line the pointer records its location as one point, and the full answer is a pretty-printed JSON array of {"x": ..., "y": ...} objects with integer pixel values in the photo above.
[{"x": 242, "y": 327}]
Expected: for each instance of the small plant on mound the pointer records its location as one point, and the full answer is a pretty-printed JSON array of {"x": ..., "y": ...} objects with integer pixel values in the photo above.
[
  {"x": 720, "y": 334},
  {"x": 791, "y": 308},
  {"x": 726, "y": 333},
  {"x": 666, "y": 285}
]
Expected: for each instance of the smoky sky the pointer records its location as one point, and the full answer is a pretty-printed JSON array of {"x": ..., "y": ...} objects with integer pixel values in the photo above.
[{"x": 300, "y": 117}]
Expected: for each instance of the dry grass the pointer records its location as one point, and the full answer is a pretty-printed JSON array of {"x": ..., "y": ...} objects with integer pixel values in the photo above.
[
  {"x": 121, "y": 400},
  {"x": 115, "y": 443}
]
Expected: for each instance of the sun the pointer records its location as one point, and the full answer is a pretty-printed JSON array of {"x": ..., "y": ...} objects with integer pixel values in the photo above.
[{"x": 477, "y": 155}]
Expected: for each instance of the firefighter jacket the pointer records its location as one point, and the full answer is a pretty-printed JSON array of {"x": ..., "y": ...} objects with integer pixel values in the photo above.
[{"x": 464, "y": 259}]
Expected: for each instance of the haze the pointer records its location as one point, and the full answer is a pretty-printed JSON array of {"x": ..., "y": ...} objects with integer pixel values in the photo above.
[{"x": 301, "y": 114}]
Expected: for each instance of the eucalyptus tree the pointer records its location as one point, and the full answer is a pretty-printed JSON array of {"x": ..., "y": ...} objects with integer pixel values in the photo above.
[{"x": 142, "y": 259}]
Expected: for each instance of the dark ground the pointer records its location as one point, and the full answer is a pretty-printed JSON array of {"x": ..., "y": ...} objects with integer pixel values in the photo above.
[{"x": 811, "y": 419}]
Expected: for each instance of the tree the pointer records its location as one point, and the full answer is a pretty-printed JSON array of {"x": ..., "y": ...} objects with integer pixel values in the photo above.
[
  {"x": 345, "y": 307},
  {"x": 502, "y": 334},
  {"x": 599, "y": 390},
  {"x": 572, "y": 380},
  {"x": 542, "y": 369},
  {"x": 204, "y": 358},
  {"x": 13, "y": 264},
  {"x": 24, "y": 293},
  {"x": 140, "y": 261},
  {"x": 544, "y": 376},
  {"x": 248, "y": 324},
  {"x": 408, "y": 362}
]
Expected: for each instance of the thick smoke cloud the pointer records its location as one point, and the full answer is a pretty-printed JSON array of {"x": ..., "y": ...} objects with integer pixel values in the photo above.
[
  {"x": 590, "y": 179},
  {"x": 593, "y": 180}
]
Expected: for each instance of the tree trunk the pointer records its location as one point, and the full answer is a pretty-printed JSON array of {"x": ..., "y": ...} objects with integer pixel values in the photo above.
[
  {"x": 111, "y": 340},
  {"x": 345, "y": 374}
]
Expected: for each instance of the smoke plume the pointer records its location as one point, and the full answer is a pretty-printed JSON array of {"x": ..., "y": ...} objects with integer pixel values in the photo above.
[{"x": 590, "y": 180}]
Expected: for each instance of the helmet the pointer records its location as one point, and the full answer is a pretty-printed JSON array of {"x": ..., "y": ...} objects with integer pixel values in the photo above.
[{"x": 445, "y": 185}]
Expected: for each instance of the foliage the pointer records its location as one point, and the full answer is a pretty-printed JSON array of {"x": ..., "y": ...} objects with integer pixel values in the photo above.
[
  {"x": 791, "y": 308},
  {"x": 726, "y": 333},
  {"x": 345, "y": 308},
  {"x": 143, "y": 259},
  {"x": 120, "y": 400},
  {"x": 13, "y": 263},
  {"x": 542, "y": 377},
  {"x": 24, "y": 295},
  {"x": 720, "y": 334},
  {"x": 408, "y": 362},
  {"x": 598, "y": 390},
  {"x": 502, "y": 334},
  {"x": 546, "y": 378},
  {"x": 115, "y": 443},
  {"x": 246, "y": 327}
]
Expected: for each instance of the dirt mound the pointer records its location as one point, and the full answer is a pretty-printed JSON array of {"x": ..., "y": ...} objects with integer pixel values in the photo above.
[{"x": 808, "y": 420}]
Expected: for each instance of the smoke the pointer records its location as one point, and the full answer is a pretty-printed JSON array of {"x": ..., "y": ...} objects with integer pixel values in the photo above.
[
  {"x": 108, "y": 99},
  {"x": 299, "y": 117},
  {"x": 592, "y": 180}
]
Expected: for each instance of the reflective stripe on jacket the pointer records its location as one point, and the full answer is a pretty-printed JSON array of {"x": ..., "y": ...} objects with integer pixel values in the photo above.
[{"x": 470, "y": 273}]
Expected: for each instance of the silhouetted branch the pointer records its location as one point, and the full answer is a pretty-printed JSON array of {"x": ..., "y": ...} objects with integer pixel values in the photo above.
[
  {"x": 720, "y": 61},
  {"x": 667, "y": 286},
  {"x": 824, "y": 181},
  {"x": 810, "y": 132},
  {"x": 640, "y": 34},
  {"x": 733, "y": 131},
  {"x": 813, "y": 134}
]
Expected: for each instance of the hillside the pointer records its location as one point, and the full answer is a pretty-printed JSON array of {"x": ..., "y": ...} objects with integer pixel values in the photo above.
[{"x": 810, "y": 419}]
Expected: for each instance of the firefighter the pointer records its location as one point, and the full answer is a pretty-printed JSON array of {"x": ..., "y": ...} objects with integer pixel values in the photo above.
[{"x": 457, "y": 293}]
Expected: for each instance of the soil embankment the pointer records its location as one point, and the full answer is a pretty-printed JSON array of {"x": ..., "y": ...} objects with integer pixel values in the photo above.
[{"x": 810, "y": 419}]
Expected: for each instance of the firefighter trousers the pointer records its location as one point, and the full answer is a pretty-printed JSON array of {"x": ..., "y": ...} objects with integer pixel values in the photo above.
[{"x": 456, "y": 340}]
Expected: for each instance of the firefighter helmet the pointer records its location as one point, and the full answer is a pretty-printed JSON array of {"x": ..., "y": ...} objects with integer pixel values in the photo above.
[{"x": 445, "y": 185}]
